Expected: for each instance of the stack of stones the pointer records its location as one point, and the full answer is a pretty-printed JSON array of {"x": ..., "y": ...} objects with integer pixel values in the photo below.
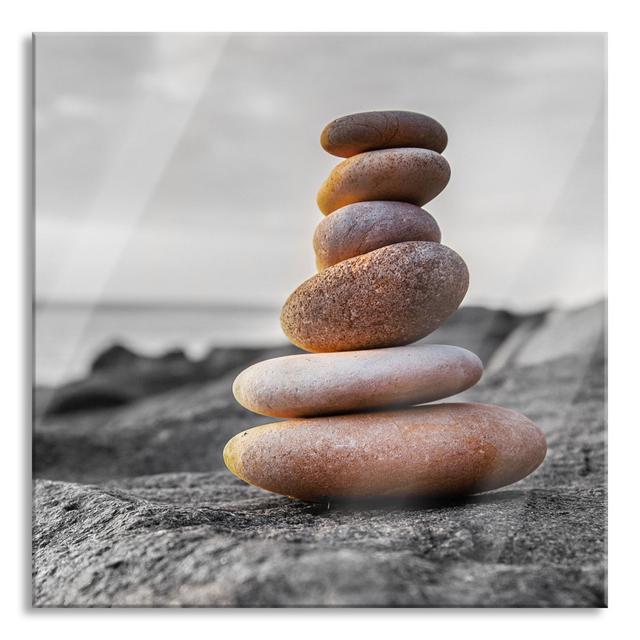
[{"x": 352, "y": 429}]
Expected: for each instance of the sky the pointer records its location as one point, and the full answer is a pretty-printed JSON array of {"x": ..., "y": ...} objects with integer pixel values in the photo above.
[{"x": 183, "y": 168}]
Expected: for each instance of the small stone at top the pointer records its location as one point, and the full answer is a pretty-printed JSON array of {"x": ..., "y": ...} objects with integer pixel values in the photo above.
[{"x": 359, "y": 132}]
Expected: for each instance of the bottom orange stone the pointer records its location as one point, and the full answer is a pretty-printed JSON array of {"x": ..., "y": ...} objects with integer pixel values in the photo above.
[{"x": 428, "y": 451}]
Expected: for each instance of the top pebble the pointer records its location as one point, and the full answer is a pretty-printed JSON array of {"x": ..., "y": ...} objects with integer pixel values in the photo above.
[{"x": 360, "y": 132}]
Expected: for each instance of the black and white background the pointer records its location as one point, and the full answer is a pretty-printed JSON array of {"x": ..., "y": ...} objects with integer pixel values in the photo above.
[{"x": 175, "y": 180}]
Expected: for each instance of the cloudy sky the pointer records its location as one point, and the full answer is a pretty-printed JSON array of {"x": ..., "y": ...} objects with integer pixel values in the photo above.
[{"x": 184, "y": 168}]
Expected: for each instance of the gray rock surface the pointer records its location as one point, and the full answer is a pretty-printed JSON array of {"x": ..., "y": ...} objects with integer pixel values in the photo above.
[{"x": 189, "y": 538}]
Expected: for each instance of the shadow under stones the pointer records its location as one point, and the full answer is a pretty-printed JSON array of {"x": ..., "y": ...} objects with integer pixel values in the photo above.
[{"x": 326, "y": 506}]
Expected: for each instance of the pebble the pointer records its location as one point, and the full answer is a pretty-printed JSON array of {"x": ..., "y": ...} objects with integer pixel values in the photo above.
[
  {"x": 388, "y": 297},
  {"x": 406, "y": 175},
  {"x": 364, "y": 226},
  {"x": 326, "y": 383},
  {"x": 431, "y": 451},
  {"x": 359, "y": 132}
]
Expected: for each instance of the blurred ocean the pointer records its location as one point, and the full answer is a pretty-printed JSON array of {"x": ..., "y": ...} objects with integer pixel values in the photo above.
[{"x": 69, "y": 336}]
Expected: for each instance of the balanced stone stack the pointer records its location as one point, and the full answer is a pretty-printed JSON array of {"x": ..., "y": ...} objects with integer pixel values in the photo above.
[{"x": 384, "y": 281}]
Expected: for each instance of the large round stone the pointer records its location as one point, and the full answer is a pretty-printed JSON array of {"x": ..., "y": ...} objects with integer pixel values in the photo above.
[
  {"x": 326, "y": 383},
  {"x": 405, "y": 175},
  {"x": 434, "y": 450},
  {"x": 359, "y": 132},
  {"x": 364, "y": 226},
  {"x": 385, "y": 298}
]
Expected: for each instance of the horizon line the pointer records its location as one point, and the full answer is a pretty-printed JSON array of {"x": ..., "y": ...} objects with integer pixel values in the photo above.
[
  {"x": 245, "y": 306},
  {"x": 151, "y": 304}
]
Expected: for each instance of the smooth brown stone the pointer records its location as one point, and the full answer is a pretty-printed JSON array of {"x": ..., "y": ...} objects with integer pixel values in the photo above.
[
  {"x": 359, "y": 132},
  {"x": 364, "y": 226},
  {"x": 385, "y": 298},
  {"x": 405, "y": 175},
  {"x": 429, "y": 451},
  {"x": 328, "y": 383}
]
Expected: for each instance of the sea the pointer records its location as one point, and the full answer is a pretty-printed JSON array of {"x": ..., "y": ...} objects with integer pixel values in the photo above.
[{"x": 67, "y": 337}]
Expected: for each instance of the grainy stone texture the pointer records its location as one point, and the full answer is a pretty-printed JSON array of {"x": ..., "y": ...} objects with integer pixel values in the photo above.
[
  {"x": 317, "y": 384},
  {"x": 385, "y": 298},
  {"x": 405, "y": 175},
  {"x": 364, "y": 226},
  {"x": 450, "y": 448},
  {"x": 206, "y": 539},
  {"x": 369, "y": 130}
]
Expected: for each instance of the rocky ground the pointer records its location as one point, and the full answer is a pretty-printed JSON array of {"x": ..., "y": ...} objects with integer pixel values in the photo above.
[{"x": 133, "y": 507}]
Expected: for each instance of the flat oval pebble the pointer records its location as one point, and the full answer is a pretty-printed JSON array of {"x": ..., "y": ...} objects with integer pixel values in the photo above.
[
  {"x": 429, "y": 451},
  {"x": 385, "y": 298},
  {"x": 359, "y": 132},
  {"x": 364, "y": 226},
  {"x": 325, "y": 383},
  {"x": 406, "y": 175}
]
